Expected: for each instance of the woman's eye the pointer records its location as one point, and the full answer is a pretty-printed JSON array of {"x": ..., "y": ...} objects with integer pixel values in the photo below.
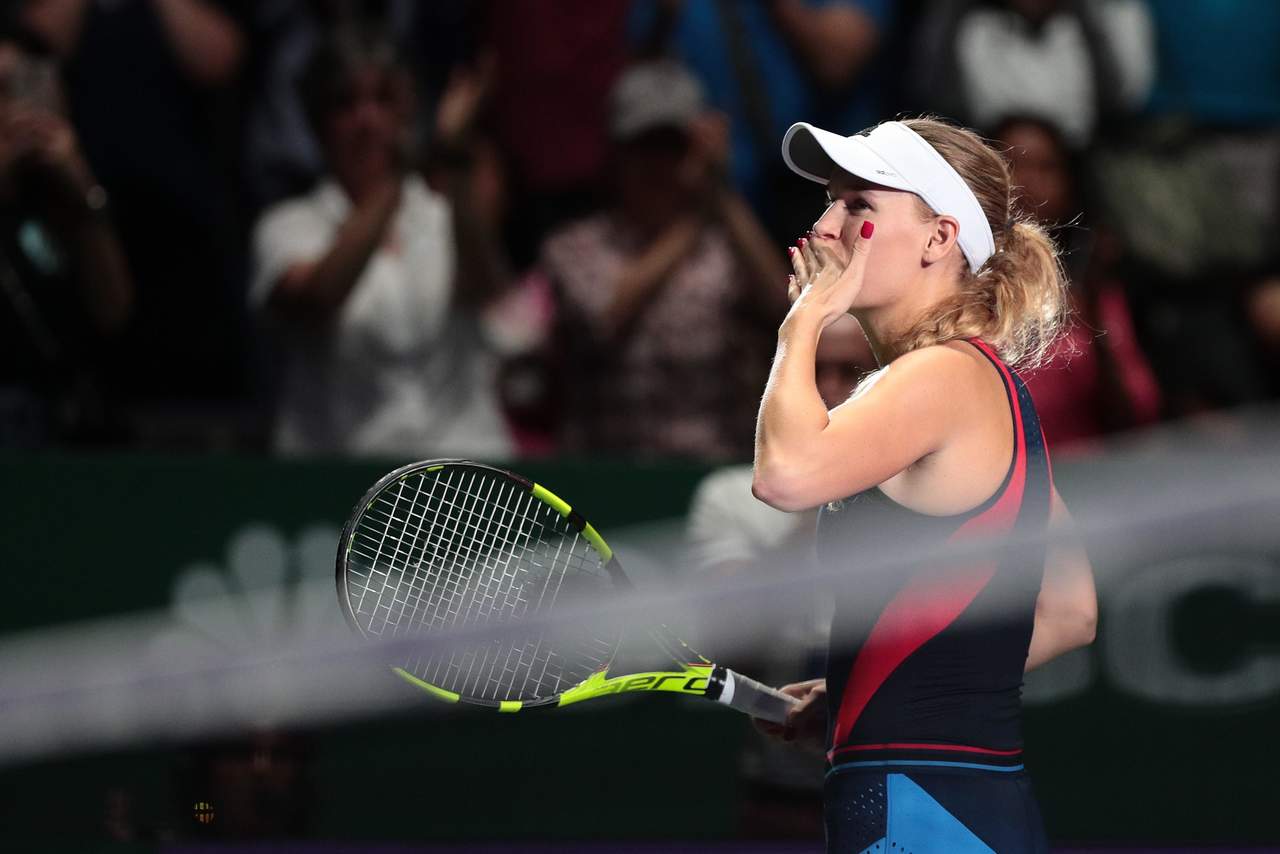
[{"x": 855, "y": 205}]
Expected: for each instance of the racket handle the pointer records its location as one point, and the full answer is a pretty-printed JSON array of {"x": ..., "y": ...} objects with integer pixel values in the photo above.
[{"x": 755, "y": 699}]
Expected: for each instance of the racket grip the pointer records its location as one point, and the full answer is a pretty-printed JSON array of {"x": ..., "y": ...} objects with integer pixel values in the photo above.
[{"x": 755, "y": 699}]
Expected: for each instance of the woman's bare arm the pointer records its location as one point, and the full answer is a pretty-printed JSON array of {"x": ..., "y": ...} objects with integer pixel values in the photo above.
[
  {"x": 1067, "y": 608},
  {"x": 806, "y": 456}
]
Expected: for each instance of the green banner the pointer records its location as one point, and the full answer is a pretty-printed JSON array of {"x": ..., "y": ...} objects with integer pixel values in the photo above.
[{"x": 1164, "y": 731}]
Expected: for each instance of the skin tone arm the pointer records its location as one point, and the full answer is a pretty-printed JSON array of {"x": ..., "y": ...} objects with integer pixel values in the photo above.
[
  {"x": 1067, "y": 609},
  {"x": 764, "y": 269},
  {"x": 482, "y": 273},
  {"x": 102, "y": 270},
  {"x": 50, "y": 144},
  {"x": 316, "y": 291},
  {"x": 58, "y": 22},
  {"x": 834, "y": 41},
  {"x": 207, "y": 43},
  {"x": 645, "y": 275},
  {"x": 806, "y": 456}
]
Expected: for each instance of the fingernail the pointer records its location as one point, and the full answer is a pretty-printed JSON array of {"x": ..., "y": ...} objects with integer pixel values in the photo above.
[
  {"x": 791, "y": 250},
  {"x": 868, "y": 228},
  {"x": 802, "y": 241}
]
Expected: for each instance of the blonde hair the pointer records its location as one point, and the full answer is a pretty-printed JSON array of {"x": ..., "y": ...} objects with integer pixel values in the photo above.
[{"x": 1016, "y": 301}]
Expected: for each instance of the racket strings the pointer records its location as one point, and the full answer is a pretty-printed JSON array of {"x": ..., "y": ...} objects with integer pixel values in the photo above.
[{"x": 467, "y": 548}]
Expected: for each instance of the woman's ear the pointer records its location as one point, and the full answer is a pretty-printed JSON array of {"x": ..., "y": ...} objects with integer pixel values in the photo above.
[{"x": 943, "y": 234}]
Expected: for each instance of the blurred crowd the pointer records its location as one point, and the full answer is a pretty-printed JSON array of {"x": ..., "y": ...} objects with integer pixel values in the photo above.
[{"x": 502, "y": 228}]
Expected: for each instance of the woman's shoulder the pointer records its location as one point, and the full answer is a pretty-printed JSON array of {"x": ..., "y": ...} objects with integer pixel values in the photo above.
[
  {"x": 938, "y": 365},
  {"x": 940, "y": 382}
]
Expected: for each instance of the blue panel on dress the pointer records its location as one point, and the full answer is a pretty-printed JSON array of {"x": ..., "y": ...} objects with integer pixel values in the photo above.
[{"x": 920, "y": 825}]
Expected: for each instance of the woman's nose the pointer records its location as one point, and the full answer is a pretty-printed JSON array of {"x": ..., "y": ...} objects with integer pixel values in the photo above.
[{"x": 830, "y": 223}]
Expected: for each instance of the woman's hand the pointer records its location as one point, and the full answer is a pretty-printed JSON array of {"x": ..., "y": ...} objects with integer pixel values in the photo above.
[
  {"x": 822, "y": 283},
  {"x": 806, "y": 724}
]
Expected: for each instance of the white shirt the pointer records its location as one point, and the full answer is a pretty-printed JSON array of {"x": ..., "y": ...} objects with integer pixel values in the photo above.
[
  {"x": 401, "y": 372},
  {"x": 1007, "y": 69}
]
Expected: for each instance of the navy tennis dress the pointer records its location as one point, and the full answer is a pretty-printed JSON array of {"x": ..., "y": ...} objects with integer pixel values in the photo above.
[{"x": 924, "y": 669}]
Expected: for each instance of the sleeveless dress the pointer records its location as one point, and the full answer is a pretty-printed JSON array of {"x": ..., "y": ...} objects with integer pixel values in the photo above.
[{"x": 925, "y": 664}]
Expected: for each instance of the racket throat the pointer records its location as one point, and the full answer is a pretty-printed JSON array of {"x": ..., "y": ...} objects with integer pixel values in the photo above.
[{"x": 720, "y": 685}]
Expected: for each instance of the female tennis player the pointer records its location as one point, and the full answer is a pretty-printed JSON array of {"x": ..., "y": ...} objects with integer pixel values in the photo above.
[{"x": 919, "y": 715}]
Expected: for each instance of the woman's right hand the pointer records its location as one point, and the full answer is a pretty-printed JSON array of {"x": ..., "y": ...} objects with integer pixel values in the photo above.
[
  {"x": 806, "y": 724},
  {"x": 822, "y": 281}
]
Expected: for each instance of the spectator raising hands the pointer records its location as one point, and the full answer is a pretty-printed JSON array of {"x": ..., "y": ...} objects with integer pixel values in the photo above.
[
  {"x": 665, "y": 298},
  {"x": 65, "y": 289},
  {"x": 363, "y": 279}
]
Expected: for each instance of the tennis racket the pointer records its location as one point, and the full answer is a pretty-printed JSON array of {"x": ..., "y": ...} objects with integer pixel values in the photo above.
[{"x": 440, "y": 545}]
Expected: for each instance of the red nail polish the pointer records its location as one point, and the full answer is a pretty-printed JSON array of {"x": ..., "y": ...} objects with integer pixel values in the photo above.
[
  {"x": 802, "y": 241},
  {"x": 868, "y": 228},
  {"x": 791, "y": 250}
]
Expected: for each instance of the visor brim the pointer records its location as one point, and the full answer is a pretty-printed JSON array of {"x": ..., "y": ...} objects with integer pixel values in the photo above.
[{"x": 814, "y": 153}]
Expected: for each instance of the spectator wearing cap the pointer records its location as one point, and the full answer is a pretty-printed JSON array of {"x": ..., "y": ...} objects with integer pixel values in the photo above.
[
  {"x": 768, "y": 64},
  {"x": 367, "y": 282},
  {"x": 663, "y": 298}
]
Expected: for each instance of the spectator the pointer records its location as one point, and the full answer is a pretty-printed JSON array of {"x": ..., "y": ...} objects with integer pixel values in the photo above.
[
  {"x": 1263, "y": 311},
  {"x": 1193, "y": 196},
  {"x": 1229, "y": 110},
  {"x": 768, "y": 64},
  {"x": 374, "y": 304},
  {"x": 283, "y": 156},
  {"x": 663, "y": 298},
  {"x": 1097, "y": 378},
  {"x": 146, "y": 81},
  {"x": 1078, "y": 63},
  {"x": 65, "y": 290},
  {"x": 731, "y": 533}
]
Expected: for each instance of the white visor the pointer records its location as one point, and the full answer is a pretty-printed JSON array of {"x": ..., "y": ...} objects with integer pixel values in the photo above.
[{"x": 893, "y": 155}]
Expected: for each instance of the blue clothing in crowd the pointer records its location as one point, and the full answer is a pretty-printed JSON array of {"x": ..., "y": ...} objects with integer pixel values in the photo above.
[
  {"x": 1219, "y": 61},
  {"x": 701, "y": 41}
]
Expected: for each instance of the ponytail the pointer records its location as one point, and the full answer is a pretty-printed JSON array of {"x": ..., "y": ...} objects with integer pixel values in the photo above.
[{"x": 1017, "y": 300}]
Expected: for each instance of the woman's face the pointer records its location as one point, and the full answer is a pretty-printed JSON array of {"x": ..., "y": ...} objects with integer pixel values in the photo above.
[
  {"x": 364, "y": 131},
  {"x": 901, "y": 234},
  {"x": 1041, "y": 167}
]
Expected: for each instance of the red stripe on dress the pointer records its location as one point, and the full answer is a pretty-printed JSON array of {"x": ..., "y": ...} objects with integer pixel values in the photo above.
[
  {"x": 927, "y": 605},
  {"x": 918, "y": 613},
  {"x": 911, "y": 746}
]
